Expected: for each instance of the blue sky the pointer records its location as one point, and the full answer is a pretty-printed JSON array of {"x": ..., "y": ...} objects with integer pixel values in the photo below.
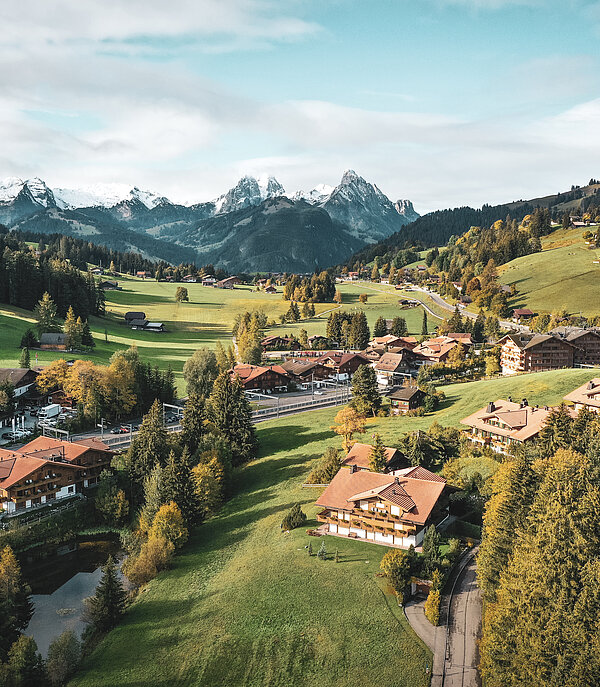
[{"x": 445, "y": 102}]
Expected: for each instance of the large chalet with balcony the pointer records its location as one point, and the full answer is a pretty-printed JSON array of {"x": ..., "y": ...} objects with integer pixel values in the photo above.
[
  {"x": 47, "y": 469},
  {"x": 503, "y": 423},
  {"x": 392, "y": 509},
  {"x": 342, "y": 365},
  {"x": 586, "y": 342},
  {"x": 535, "y": 353},
  {"x": 260, "y": 378},
  {"x": 586, "y": 396}
]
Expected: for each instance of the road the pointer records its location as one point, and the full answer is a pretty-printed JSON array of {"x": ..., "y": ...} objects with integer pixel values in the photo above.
[{"x": 462, "y": 654}]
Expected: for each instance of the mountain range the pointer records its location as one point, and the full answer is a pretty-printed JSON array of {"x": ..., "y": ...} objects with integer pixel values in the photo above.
[{"x": 255, "y": 226}]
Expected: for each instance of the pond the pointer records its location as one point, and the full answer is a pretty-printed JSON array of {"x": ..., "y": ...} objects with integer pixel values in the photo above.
[{"x": 59, "y": 584}]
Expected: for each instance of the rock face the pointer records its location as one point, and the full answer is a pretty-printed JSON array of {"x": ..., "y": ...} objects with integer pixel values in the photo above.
[{"x": 255, "y": 226}]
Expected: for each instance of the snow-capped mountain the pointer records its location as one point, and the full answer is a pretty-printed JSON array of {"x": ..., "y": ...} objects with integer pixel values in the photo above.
[
  {"x": 405, "y": 208},
  {"x": 247, "y": 192},
  {"x": 318, "y": 194},
  {"x": 11, "y": 187}
]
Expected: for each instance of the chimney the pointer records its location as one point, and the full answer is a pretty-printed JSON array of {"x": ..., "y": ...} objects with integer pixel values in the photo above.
[
  {"x": 490, "y": 407},
  {"x": 590, "y": 385},
  {"x": 352, "y": 469},
  {"x": 510, "y": 399},
  {"x": 525, "y": 403},
  {"x": 397, "y": 480}
]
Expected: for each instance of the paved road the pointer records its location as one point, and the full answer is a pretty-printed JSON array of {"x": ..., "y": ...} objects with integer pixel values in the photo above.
[{"x": 462, "y": 657}]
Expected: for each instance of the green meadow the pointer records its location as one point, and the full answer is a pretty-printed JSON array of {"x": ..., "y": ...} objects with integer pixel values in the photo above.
[
  {"x": 562, "y": 276},
  {"x": 245, "y": 605}
]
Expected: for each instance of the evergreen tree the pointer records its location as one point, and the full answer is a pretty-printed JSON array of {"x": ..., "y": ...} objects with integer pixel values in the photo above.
[
  {"x": 359, "y": 331},
  {"x": 87, "y": 339},
  {"x": 64, "y": 654},
  {"x": 25, "y": 359},
  {"x": 310, "y": 549},
  {"x": 16, "y": 608},
  {"x": 150, "y": 445},
  {"x": 380, "y": 328},
  {"x": 72, "y": 331},
  {"x": 478, "y": 333},
  {"x": 322, "y": 552},
  {"x": 365, "y": 392},
  {"x": 378, "y": 459},
  {"x": 431, "y": 549},
  {"x": 399, "y": 327},
  {"x": 45, "y": 314},
  {"x": 105, "y": 608},
  {"x": 178, "y": 485},
  {"x": 28, "y": 340},
  {"x": 25, "y": 665},
  {"x": 193, "y": 422},
  {"x": 229, "y": 411},
  {"x": 223, "y": 362},
  {"x": 424, "y": 325}
]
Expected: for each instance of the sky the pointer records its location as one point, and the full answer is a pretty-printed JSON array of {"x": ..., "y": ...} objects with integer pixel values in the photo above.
[{"x": 443, "y": 102}]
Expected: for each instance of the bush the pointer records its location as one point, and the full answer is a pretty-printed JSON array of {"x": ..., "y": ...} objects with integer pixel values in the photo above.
[
  {"x": 295, "y": 518},
  {"x": 154, "y": 556},
  {"x": 168, "y": 524},
  {"x": 432, "y": 607},
  {"x": 327, "y": 467},
  {"x": 64, "y": 655}
]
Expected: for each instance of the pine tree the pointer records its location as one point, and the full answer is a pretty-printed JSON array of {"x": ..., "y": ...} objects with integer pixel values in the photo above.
[
  {"x": 45, "y": 314},
  {"x": 310, "y": 550},
  {"x": 87, "y": 339},
  {"x": 178, "y": 485},
  {"x": 377, "y": 457},
  {"x": 70, "y": 330},
  {"x": 365, "y": 391},
  {"x": 25, "y": 359},
  {"x": 380, "y": 328},
  {"x": 28, "y": 340},
  {"x": 322, "y": 552},
  {"x": 149, "y": 447},
  {"x": 105, "y": 608},
  {"x": 399, "y": 327},
  {"x": 16, "y": 608},
  {"x": 194, "y": 422},
  {"x": 25, "y": 664},
  {"x": 229, "y": 411},
  {"x": 359, "y": 331},
  {"x": 424, "y": 326},
  {"x": 431, "y": 549}
]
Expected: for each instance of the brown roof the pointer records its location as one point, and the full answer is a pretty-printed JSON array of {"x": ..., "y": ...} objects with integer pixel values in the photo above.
[
  {"x": 298, "y": 367},
  {"x": 416, "y": 497},
  {"x": 587, "y": 394},
  {"x": 436, "y": 348},
  {"x": 46, "y": 448},
  {"x": 360, "y": 455},
  {"x": 463, "y": 337},
  {"x": 390, "y": 362},
  {"x": 338, "y": 358},
  {"x": 17, "y": 376},
  {"x": 418, "y": 472},
  {"x": 519, "y": 312},
  {"x": 517, "y": 422},
  {"x": 404, "y": 393},
  {"x": 248, "y": 373}
]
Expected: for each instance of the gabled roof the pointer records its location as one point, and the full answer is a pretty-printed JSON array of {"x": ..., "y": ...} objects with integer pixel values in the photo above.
[
  {"x": 47, "y": 447},
  {"x": 404, "y": 393},
  {"x": 390, "y": 362},
  {"x": 17, "y": 376},
  {"x": 418, "y": 472},
  {"x": 587, "y": 394},
  {"x": 300, "y": 367},
  {"x": 138, "y": 323},
  {"x": 135, "y": 315},
  {"x": 248, "y": 373},
  {"x": 360, "y": 455}
]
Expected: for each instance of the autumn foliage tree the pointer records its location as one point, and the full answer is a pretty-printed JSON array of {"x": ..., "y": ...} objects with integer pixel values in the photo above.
[{"x": 348, "y": 423}]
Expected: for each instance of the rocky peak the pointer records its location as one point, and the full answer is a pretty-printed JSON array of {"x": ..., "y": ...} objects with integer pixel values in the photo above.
[
  {"x": 405, "y": 208},
  {"x": 248, "y": 192}
]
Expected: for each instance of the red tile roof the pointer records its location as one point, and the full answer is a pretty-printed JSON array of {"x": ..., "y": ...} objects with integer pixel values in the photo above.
[{"x": 360, "y": 455}]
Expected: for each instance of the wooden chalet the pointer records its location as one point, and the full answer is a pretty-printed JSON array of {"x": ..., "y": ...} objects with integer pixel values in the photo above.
[
  {"x": 305, "y": 372},
  {"x": 20, "y": 378},
  {"x": 405, "y": 398},
  {"x": 46, "y": 469},
  {"x": 134, "y": 315},
  {"x": 392, "y": 510},
  {"x": 521, "y": 314},
  {"x": 228, "y": 283},
  {"x": 53, "y": 341},
  {"x": 259, "y": 378},
  {"x": 535, "y": 353},
  {"x": 586, "y": 342},
  {"x": 279, "y": 343},
  {"x": 343, "y": 365}
]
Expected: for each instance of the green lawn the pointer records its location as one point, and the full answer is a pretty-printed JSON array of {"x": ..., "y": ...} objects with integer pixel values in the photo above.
[
  {"x": 563, "y": 275},
  {"x": 206, "y": 319},
  {"x": 245, "y": 605}
]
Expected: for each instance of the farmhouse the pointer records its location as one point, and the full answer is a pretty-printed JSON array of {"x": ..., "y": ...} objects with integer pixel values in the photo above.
[
  {"x": 134, "y": 315},
  {"x": 109, "y": 285},
  {"x": 51, "y": 341},
  {"x": 259, "y": 378},
  {"x": 270, "y": 289},
  {"x": 21, "y": 379},
  {"x": 438, "y": 349},
  {"x": 502, "y": 423},
  {"x": 392, "y": 341},
  {"x": 392, "y": 510},
  {"x": 360, "y": 456},
  {"x": 47, "y": 469},
  {"x": 209, "y": 280},
  {"x": 535, "y": 353},
  {"x": 586, "y": 396},
  {"x": 520, "y": 314},
  {"x": 306, "y": 371},
  {"x": 392, "y": 368},
  {"x": 405, "y": 398},
  {"x": 189, "y": 279},
  {"x": 228, "y": 283},
  {"x": 279, "y": 343},
  {"x": 343, "y": 365},
  {"x": 143, "y": 274}
]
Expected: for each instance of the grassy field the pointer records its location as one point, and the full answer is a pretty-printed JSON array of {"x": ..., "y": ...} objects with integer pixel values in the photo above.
[
  {"x": 206, "y": 319},
  {"x": 561, "y": 276},
  {"x": 246, "y": 606}
]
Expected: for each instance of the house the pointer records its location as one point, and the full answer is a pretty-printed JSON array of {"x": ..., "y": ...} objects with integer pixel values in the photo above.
[
  {"x": 138, "y": 324},
  {"x": 586, "y": 396},
  {"x": 392, "y": 341},
  {"x": 393, "y": 510},
  {"x": 97, "y": 271},
  {"x": 51, "y": 341},
  {"x": 392, "y": 368},
  {"x": 134, "y": 315},
  {"x": 259, "y": 378},
  {"x": 305, "y": 372},
  {"x": 343, "y": 365},
  {"x": 189, "y": 279},
  {"x": 109, "y": 285},
  {"x": 228, "y": 283},
  {"x": 47, "y": 469},
  {"x": 270, "y": 289},
  {"x": 534, "y": 353},
  {"x": 209, "y": 280},
  {"x": 317, "y": 341},
  {"x": 520, "y": 314},
  {"x": 586, "y": 342},
  {"x": 360, "y": 456},
  {"x": 279, "y": 343},
  {"x": 461, "y": 337},
  {"x": 438, "y": 349},
  {"x": 405, "y": 398},
  {"x": 353, "y": 276},
  {"x": 143, "y": 274},
  {"x": 20, "y": 378},
  {"x": 503, "y": 423},
  {"x": 154, "y": 327}
]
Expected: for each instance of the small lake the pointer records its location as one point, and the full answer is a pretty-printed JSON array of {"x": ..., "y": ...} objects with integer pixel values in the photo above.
[{"x": 59, "y": 584}]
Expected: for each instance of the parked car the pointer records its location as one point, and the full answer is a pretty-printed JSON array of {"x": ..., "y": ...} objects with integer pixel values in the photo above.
[{"x": 119, "y": 430}]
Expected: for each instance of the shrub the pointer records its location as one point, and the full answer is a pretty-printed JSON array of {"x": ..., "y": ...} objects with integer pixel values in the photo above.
[
  {"x": 327, "y": 467},
  {"x": 64, "y": 654},
  {"x": 432, "y": 607},
  {"x": 154, "y": 556},
  {"x": 294, "y": 518},
  {"x": 168, "y": 524},
  {"x": 322, "y": 552}
]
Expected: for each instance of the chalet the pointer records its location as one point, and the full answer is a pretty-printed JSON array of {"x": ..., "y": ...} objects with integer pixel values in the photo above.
[
  {"x": 279, "y": 343},
  {"x": 392, "y": 368},
  {"x": 138, "y": 324},
  {"x": 359, "y": 456},
  {"x": 189, "y": 279},
  {"x": 374, "y": 353},
  {"x": 209, "y": 280},
  {"x": 503, "y": 423},
  {"x": 462, "y": 337},
  {"x": 392, "y": 341},
  {"x": 305, "y": 372},
  {"x": 134, "y": 315},
  {"x": 317, "y": 341},
  {"x": 520, "y": 314},
  {"x": 109, "y": 285},
  {"x": 20, "y": 378},
  {"x": 259, "y": 378},
  {"x": 270, "y": 289},
  {"x": 438, "y": 349},
  {"x": 48, "y": 469},
  {"x": 143, "y": 274},
  {"x": 586, "y": 342},
  {"x": 353, "y": 276},
  {"x": 343, "y": 365},
  {"x": 534, "y": 353},
  {"x": 586, "y": 396},
  {"x": 51, "y": 341},
  {"x": 228, "y": 283},
  {"x": 405, "y": 398},
  {"x": 393, "y": 510}
]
